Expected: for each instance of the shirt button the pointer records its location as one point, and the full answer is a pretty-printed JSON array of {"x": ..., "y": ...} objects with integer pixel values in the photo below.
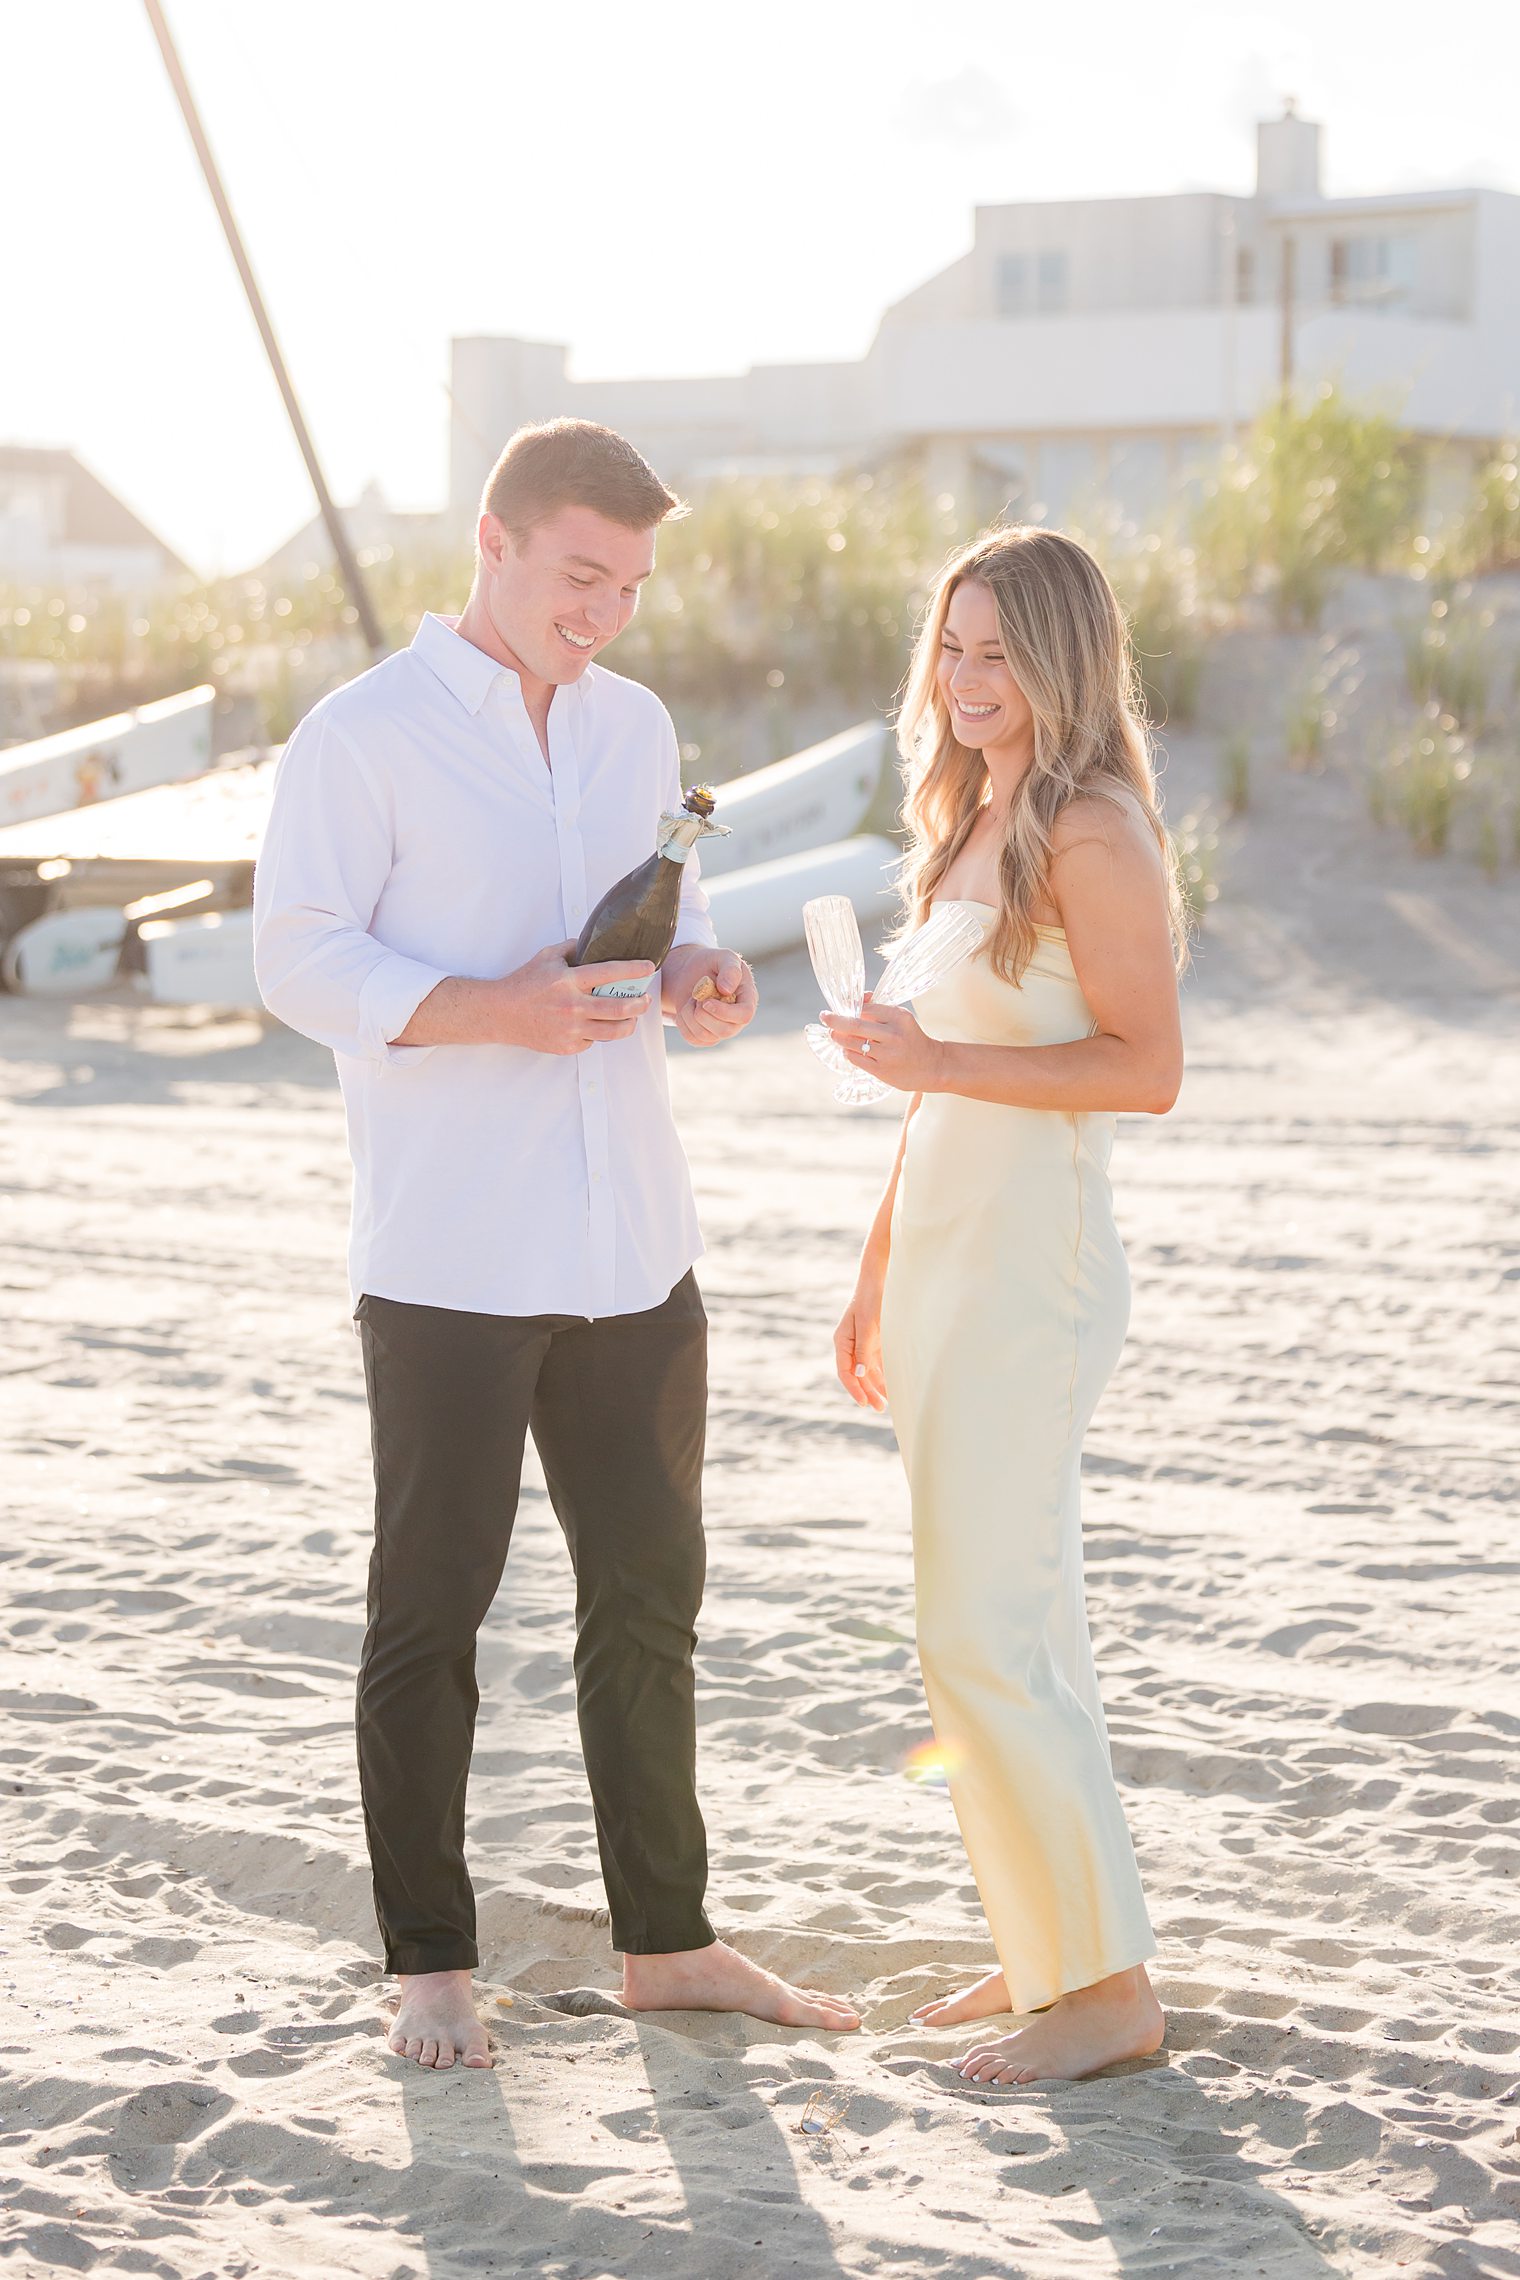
[
  {"x": 591, "y": 1084},
  {"x": 597, "y": 1177}
]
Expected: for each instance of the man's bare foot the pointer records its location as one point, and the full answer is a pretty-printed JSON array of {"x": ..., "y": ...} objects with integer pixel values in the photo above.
[
  {"x": 718, "y": 1978},
  {"x": 983, "y": 2001},
  {"x": 436, "y": 2021},
  {"x": 1097, "y": 2026}
]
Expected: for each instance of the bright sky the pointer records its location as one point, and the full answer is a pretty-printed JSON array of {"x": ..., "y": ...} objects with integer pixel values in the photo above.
[{"x": 668, "y": 187}]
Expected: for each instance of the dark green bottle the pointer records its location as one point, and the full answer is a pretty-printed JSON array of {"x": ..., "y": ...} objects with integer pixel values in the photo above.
[{"x": 637, "y": 917}]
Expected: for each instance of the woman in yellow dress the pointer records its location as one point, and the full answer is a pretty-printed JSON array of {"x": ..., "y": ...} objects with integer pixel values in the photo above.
[{"x": 993, "y": 1293}]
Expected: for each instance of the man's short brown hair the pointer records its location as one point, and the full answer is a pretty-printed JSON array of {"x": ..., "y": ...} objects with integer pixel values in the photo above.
[{"x": 575, "y": 463}]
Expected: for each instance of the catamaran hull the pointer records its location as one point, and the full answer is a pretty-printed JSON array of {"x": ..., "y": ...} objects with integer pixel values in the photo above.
[
  {"x": 759, "y": 910},
  {"x": 792, "y": 825},
  {"x": 810, "y": 800},
  {"x": 163, "y": 743}
]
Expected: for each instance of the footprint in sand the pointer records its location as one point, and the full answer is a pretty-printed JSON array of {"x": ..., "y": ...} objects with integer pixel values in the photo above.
[
  {"x": 1399, "y": 1718},
  {"x": 169, "y": 2113}
]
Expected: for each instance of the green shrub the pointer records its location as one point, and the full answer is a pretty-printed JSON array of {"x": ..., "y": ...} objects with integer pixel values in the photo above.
[
  {"x": 1196, "y": 843},
  {"x": 1447, "y": 662},
  {"x": 1235, "y": 772},
  {"x": 1157, "y": 585},
  {"x": 1421, "y": 784},
  {"x": 788, "y": 596},
  {"x": 1318, "y": 486},
  {"x": 1487, "y": 537},
  {"x": 1306, "y": 723}
]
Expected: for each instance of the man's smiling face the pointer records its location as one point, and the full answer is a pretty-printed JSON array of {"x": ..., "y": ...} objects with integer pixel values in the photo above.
[{"x": 561, "y": 592}]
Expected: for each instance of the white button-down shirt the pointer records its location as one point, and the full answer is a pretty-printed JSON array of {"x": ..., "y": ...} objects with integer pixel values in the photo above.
[{"x": 416, "y": 832}]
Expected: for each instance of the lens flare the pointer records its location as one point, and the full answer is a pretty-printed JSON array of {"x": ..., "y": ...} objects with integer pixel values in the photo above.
[{"x": 930, "y": 1764}]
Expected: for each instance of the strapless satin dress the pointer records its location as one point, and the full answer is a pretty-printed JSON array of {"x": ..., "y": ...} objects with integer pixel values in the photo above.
[{"x": 1006, "y": 1305}]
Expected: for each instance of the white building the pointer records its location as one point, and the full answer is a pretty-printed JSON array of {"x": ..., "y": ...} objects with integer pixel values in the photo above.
[
  {"x": 374, "y": 528},
  {"x": 1092, "y": 347},
  {"x": 60, "y": 526}
]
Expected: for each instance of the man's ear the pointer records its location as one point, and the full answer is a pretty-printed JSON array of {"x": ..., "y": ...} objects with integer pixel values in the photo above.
[{"x": 493, "y": 539}]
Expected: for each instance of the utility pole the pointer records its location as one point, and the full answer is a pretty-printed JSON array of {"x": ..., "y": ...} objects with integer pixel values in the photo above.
[
  {"x": 1230, "y": 260},
  {"x": 348, "y": 566},
  {"x": 1289, "y": 253}
]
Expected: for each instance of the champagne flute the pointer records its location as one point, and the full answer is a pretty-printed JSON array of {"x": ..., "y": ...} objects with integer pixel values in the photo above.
[{"x": 916, "y": 964}]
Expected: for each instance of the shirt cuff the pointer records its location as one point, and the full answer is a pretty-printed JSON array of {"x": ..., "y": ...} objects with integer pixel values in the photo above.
[
  {"x": 390, "y": 996},
  {"x": 695, "y": 926}
]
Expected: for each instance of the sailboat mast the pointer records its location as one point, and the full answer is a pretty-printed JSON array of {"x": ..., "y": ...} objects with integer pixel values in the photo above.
[{"x": 348, "y": 565}]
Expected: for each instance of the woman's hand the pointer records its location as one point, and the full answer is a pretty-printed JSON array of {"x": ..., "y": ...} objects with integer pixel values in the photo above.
[
  {"x": 886, "y": 1041},
  {"x": 857, "y": 1347}
]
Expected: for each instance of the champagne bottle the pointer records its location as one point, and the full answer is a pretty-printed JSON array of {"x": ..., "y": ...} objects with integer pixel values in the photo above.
[{"x": 637, "y": 917}]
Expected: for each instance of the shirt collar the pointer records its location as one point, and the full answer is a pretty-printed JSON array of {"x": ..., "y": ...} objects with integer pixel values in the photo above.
[{"x": 467, "y": 672}]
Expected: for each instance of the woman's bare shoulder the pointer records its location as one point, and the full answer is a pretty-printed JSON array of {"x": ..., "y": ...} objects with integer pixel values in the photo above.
[{"x": 1115, "y": 822}]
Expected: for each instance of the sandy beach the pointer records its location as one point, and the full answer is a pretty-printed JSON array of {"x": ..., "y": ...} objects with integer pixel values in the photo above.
[{"x": 1305, "y": 1594}]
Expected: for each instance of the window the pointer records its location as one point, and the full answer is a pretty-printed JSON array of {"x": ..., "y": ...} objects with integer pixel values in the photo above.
[
  {"x": 1373, "y": 271},
  {"x": 1051, "y": 291},
  {"x": 1013, "y": 285},
  {"x": 1030, "y": 284}
]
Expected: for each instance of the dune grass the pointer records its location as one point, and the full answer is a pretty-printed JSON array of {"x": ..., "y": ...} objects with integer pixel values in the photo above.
[{"x": 782, "y": 609}]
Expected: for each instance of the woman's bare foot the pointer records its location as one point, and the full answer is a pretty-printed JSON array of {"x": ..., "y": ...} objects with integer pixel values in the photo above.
[
  {"x": 1097, "y": 2026},
  {"x": 436, "y": 2021},
  {"x": 983, "y": 2001},
  {"x": 718, "y": 1978}
]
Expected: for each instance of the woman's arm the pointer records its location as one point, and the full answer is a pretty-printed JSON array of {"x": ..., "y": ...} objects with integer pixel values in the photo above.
[
  {"x": 857, "y": 1340},
  {"x": 1109, "y": 889}
]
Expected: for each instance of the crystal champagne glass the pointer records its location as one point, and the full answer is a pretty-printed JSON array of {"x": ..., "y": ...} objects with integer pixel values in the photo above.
[{"x": 916, "y": 964}]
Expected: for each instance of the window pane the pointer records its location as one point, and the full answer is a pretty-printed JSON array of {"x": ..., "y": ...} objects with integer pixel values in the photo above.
[
  {"x": 1013, "y": 285},
  {"x": 1052, "y": 280},
  {"x": 1377, "y": 271}
]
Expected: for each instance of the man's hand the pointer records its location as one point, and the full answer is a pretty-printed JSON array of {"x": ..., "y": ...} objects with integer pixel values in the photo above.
[
  {"x": 546, "y": 1006},
  {"x": 711, "y": 1018}
]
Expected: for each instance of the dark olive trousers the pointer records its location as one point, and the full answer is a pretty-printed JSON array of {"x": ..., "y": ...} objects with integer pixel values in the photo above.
[{"x": 617, "y": 1409}]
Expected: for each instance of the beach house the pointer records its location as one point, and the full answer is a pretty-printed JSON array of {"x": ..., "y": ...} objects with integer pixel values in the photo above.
[{"x": 1082, "y": 347}]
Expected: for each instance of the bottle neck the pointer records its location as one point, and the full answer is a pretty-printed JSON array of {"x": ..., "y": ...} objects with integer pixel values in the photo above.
[{"x": 678, "y": 835}]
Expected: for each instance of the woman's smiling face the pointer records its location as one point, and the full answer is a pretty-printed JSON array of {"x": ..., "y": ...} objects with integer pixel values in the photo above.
[{"x": 985, "y": 702}]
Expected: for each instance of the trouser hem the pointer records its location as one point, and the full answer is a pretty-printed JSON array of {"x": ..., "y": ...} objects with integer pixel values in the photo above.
[
  {"x": 678, "y": 1939},
  {"x": 433, "y": 1955},
  {"x": 1074, "y": 1977}
]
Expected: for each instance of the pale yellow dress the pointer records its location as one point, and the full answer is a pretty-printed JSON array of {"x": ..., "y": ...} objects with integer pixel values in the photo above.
[{"x": 1006, "y": 1304}]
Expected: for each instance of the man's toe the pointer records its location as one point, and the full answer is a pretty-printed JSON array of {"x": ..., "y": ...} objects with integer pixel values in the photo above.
[
  {"x": 445, "y": 2052},
  {"x": 428, "y": 2054}
]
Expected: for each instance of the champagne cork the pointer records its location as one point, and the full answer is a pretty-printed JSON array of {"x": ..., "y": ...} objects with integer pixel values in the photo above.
[{"x": 708, "y": 988}]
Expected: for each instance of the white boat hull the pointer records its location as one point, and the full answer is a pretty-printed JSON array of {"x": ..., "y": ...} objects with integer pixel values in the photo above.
[
  {"x": 216, "y": 818},
  {"x": 200, "y": 961},
  {"x": 162, "y": 743},
  {"x": 759, "y": 910},
  {"x": 65, "y": 954},
  {"x": 209, "y": 960},
  {"x": 810, "y": 800},
  {"x": 791, "y": 827}
]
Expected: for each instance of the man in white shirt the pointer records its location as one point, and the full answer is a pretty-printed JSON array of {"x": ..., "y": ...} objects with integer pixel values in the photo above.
[{"x": 523, "y": 1228}]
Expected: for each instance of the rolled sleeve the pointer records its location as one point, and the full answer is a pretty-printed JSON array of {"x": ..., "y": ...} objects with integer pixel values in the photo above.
[{"x": 327, "y": 854}]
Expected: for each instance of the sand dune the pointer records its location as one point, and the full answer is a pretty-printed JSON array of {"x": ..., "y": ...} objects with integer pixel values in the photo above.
[{"x": 1304, "y": 1585}]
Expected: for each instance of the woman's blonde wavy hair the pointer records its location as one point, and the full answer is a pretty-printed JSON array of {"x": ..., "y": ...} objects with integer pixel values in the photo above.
[{"x": 1066, "y": 642}]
